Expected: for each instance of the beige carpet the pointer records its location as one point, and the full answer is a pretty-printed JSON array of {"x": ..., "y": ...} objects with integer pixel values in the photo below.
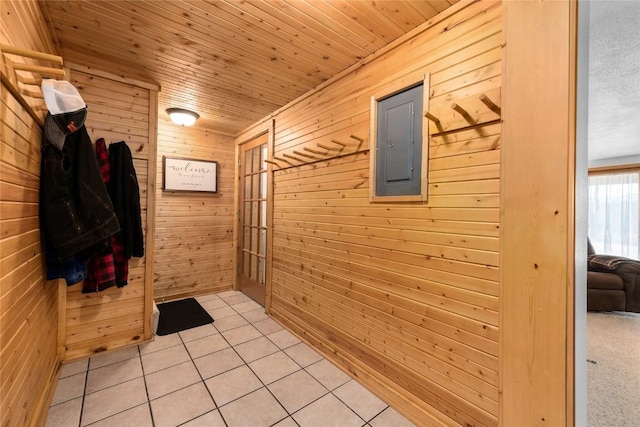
[{"x": 613, "y": 383}]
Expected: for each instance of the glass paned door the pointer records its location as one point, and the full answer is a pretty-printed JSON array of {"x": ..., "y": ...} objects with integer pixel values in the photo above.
[{"x": 253, "y": 219}]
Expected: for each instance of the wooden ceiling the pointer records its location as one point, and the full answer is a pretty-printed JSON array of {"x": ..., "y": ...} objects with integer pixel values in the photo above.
[{"x": 233, "y": 62}]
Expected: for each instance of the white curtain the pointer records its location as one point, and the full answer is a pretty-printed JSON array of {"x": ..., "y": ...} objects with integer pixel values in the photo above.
[{"x": 613, "y": 213}]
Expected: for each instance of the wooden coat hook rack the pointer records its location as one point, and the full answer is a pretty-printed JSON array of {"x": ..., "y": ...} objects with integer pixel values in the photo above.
[
  {"x": 489, "y": 103},
  {"x": 308, "y": 155},
  {"x": 12, "y": 79},
  {"x": 471, "y": 111}
]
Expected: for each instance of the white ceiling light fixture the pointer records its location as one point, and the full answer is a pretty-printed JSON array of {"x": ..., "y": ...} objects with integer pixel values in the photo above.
[{"x": 182, "y": 117}]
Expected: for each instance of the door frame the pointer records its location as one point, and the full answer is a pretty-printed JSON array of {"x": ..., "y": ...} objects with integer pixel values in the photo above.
[{"x": 244, "y": 137}]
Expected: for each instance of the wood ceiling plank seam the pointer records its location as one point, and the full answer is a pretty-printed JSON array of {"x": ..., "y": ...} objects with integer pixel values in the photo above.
[
  {"x": 334, "y": 37},
  {"x": 424, "y": 8},
  {"x": 158, "y": 46},
  {"x": 432, "y": 26},
  {"x": 440, "y": 5},
  {"x": 165, "y": 85},
  {"x": 234, "y": 25},
  {"x": 368, "y": 17},
  {"x": 402, "y": 13},
  {"x": 339, "y": 24},
  {"x": 394, "y": 77},
  {"x": 266, "y": 13},
  {"x": 221, "y": 97},
  {"x": 293, "y": 18},
  {"x": 108, "y": 47}
]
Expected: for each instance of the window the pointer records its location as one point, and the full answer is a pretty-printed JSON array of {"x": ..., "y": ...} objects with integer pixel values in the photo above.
[
  {"x": 614, "y": 200},
  {"x": 399, "y": 157}
]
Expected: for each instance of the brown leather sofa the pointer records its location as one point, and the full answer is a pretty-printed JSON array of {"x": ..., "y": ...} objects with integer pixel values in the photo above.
[{"x": 613, "y": 283}]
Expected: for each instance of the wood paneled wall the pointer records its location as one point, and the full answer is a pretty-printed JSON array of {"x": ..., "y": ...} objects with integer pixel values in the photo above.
[
  {"x": 194, "y": 231},
  {"x": 28, "y": 303},
  {"x": 119, "y": 110},
  {"x": 404, "y": 296}
]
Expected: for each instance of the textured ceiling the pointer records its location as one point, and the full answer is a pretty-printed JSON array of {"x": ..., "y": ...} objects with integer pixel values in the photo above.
[
  {"x": 233, "y": 62},
  {"x": 614, "y": 79}
]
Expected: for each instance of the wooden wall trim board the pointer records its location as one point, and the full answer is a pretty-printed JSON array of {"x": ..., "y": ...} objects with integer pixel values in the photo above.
[
  {"x": 150, "y": 238},
  {"x": 537, "y": 214}
]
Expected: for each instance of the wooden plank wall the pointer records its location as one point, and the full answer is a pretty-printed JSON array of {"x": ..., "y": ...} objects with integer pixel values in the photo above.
[
  {"x": 194, "y": 231},
  {"x": 404, "y": 296},
  {"x": 115, "y": 317},
  {"x": 28, "y": 303}
]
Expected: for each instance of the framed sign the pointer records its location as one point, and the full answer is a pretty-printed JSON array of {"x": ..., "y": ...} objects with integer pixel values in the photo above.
[{"x": 189, "y": 175}]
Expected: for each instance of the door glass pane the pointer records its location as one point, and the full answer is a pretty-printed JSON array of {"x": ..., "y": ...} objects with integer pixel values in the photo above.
[
  {"x": 247, "y": 187},
  {"x": 256, "y": 186},
  {"x": 263, "y": 185},
  {"x": 262, "y": 271},
  {"x": 247, "y": 239},
  {"x": 247, "y": 213},
  {"x": 246, "y": 263},
  {"x": 247, "y": 162},
  {"x": 263, "y": 214},
  {"x": 263, "y": 156},
  {"x": 254, "y": 239},
  {"x": 256, "y": 159},
  {"x": 263, "y": 242},
  {"x": 255, "y": 213}
]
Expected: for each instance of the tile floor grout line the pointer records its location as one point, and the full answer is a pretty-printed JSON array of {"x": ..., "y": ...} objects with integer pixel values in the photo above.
[
  {"x": 260, "y": 379},
  {"x": 146, "y": 389},
  {"x": 84, "y": 389},
  {"x": 259, "y": 317},
  {"x": 202, "y": 381}
]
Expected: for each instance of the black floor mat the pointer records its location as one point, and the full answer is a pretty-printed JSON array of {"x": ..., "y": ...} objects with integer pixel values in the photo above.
[{"x": 176, "y": 316}]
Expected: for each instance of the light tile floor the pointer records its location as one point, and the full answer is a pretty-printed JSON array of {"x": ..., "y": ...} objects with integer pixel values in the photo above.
[{"x": 242, "y": 370}]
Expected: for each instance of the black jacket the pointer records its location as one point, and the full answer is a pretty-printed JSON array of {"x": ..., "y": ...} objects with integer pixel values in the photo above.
[
  {"x": 76, "y": 214},
  {"x": 125, "y": 196}
]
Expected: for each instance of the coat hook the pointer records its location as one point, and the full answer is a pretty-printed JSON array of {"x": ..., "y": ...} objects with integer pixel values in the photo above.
[
  {"x": 339, "y": 143},
  {"x": 280, "y": 159},
  {"x": 463, "y": 113},
  {"x": 298, "y": 153},
  {"x": 360, "y": 141},
  {"x": 490, "y": 104},
  {"x": 292, "y": 157},
  {"x": 431, "y": 117},
  {"x": 311, "y": 150},
  {"x": 271, "y": 162},
  {"x": 328, "y": 148}
]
